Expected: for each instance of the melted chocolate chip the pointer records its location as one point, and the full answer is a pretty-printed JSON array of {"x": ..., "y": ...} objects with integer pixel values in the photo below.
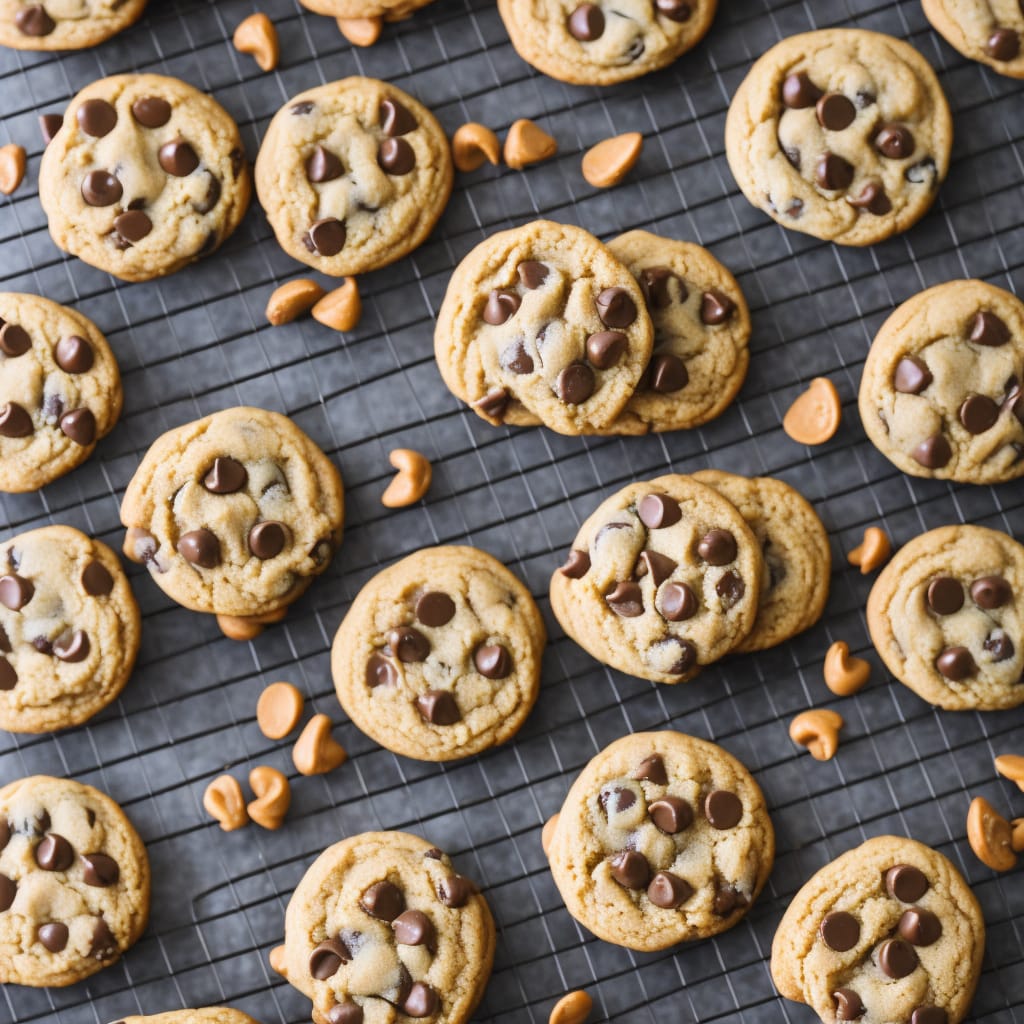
[
  {"x": 225, "y": 476},
  {"x": 988, "y": 329},
  {"x": 383, "y": 900},
  {"x": 835, "y": 112},
  {"x": 929, "y": 1015},
  {"x": 396, "y": 156},
  {"x": 577, "y": 565},
  {"x": 101, "y": 188},
  {"x": 435, "y": 608},
  {"x": 178, "y": 158},
  {"x": 626, "y": 600},
  {"x": 606, "y": 348},
  {"x": 674, "y": 10},
  {"x": 730, "y": 588},
  {"x": 614, "y": 800},
  {"x": 327, "y": 236},
  {"x": 100, "y": 870},
  {"x": 516, "y": 359},
  {"x": 671, "y": 814},
  {"x": 8, "y": 675},
  {"x": 991, "y": 592},
  {"x": 210, "y": 199},
  {"x": 668, "y": 891},
  {"x": 896, "y": 958},
  {"x": 849, "y": 1005},
  {"x": 919, "y": 927},
  {"x": 956, "y": 663},
  {"x": 833, "y": 173},
  {"x": 380, "y": 672},
  {"x": 96, "y": 118},
  {"x": 15, "y": 591},
  {"x": 132, "y": 226},
  {"x": 493, "y": 404},
  {"x": 54, "y": 853},
  {"x": 658, "y": 511},
  {"x": 455, "y": 891},
  {"x": 630, "y": 869},
  {"x": 723, "y": 809},
  {"x": 268, "y": 539},
  {"x": 840, "y": 931},
  {"x": 677, "y": 602},
  {"x": 49, "y": 125},
  {"x": 327, "y": 958},
  {"x": 912, "y": 376},
  {"x": 414, "y": 928},
  {"x": 872, "y": 198},
  {"x": 14, "y": 340},
  {"x": 532, "y": 274},
  {"x": 933, "y": 452},
  {"x": 717, "y": 547},
  {"x": 616, "y": 308},
  {"x": 422, "y": 1000},
  {"x": 894, "y": 141},
  {"x": 586, "y": 23},
  {"x": 999, "y": 645},
  {"x": 716, "y": 307},
  {"x": 1003, "y": 44},
  {"x": 501, "y": 306},
  {"x": 200, "y": 547},
  {"x": 655, "y": 282},
  {"x": 323, "y": 165},
  {"x": 658, "y": 566},
  {"x": 798, "y": 91},
  {"x": 408, "y": 644},
  {"x": 395, "y": 119},
  {"x": 8, "y": 890},
  {"x": 906, "y": 883},
  {"x": 72, "y": 647},
  {"x": 978, "y": 413},
  {"x": 575, "y": 383},
  {"x": 493, "y": 661},
  {"x": 79, "y": 425},
  {"x": 438, "y": 707},
  {"x": 652, "y": 769},
  {"x": 151, "y": 111},
  {"x": 945, "y": 595},
  {"x": 53, "y": 936},
  {"x": 34, "y": 21},
  {"x": 668, "y": 374}
]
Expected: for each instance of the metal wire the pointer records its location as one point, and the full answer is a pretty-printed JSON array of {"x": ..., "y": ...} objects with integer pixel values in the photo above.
[{"x": 197, "y": 342}]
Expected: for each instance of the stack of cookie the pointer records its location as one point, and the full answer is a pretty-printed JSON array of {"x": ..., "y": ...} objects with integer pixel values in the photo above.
[{"x": 545, "y": 324}]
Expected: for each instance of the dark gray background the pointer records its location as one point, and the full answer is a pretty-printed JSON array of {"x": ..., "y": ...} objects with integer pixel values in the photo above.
[{"x": 197, "y": 342}]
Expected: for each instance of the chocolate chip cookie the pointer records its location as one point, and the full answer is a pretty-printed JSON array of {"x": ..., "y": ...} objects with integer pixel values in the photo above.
[
  {"x": 603, "y": 43},
  {"x": 542, "y": 324},
  {"x": 74, "y": 882},
  {"x": 889, "y": 931},
  {"x": 60, "y": 390},
  {"x": 234, "y": 514},
  {"x": 353, "y": 175},
  {"x": 946, "y": 617},
  {"x": 843, "y": 134},
  {"x": 662, "y": 579},
  {"x": 389, "y": 10},
  {"x": 794, "y": 549},
  {"x": 145, "y": 175},
  {"x": 701, "y": 329},
  {"x": 942, "y": 393},
  {"x": 203, "y": 1015},
  {"x": 383, "y": 927},
  {"x": 663, "y": 838},
  {"x": 439, "y": 655},
  {"x": 64, "y": 24},
  {"x": 69, "y": 629},
  {"x": 991, "y": 31}
]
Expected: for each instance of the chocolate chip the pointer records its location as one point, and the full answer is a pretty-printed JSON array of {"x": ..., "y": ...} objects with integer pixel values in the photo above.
[
  {"x": 606, "y": 348},
  {"x": 408, "y": 644},
  {"x": 674, "y": 10},
  {"x": 894, "y": 141},
  {"x": 383, "y": 900},
  {"x": 53, "y": 936},
  {"x": 15, "y": 591},
  {"x": 912, "y": 376},
  {"x": 516, "y": 359},
  {"x": 8, "y": 675},
  {"x": 835, "y": 112},
  {"x": 658, "y": 511},
  {"x": 225, "y": 476},
  {"x": 906, "y": 883},
  {"x": 380, "y": 672},
  {"x": 686, "y": 655},
  {"x": 730, "y": 588},
  {"x": 323, "y": 165},
  {"x": 455, "y": 891},
  {"x": 268, "y": 539},
  {"x": 1003, "y": 44},
  {"x": 988, "y": 329},
  {"x": 178, "y": 158},
  {"x": 54, "y": 853},
  {"x": 80, "y": 426},
  {"x": 654, "y": 283},
  {"x": 956, "y": 663},
  {"x": 345, "y": 1013},
  {"x": 945, "y": 595},
  {"x": 896, "y": 958},
  {"x": 42, "y": 645},
  {"x": 435, "y": 608},
  {"x": 5, "y": 833},
  {"x": 96, "y": 118},
  {"x": 73, "y": 354},
  {"x": 849, "y": 1005},
  {"x": 727, "y": 900},
  {"x": 933, "y": 452},
  {"x": 14, "y": 340},
  {"x": 132, "y": 226},
  {"x": 652, "y": 769},
  {"x": 833, "y": 173},
  {"x": 991, "y": 592},
  {"x": 100, "y": 870},
  {"x": 8, "y": 890},
  {"x": 327, "y": 236},
  {"x": 798, "y": 91},
  {"x": 209, "y": 201},
  {"x": 532, "y": 274},
  {"x": 5, "y": 643},
  {"x": 929, "y": 1015},
  {"x": 671, "y": 814},
  {"x": 575, "y": 383},
  {"x": 34, "y": 21},
  {"x": 396, "y": 156},
  {"x": 414, "y": 928},
  {"x": 422, "y": 1001},
  {"x": 493, "y": 661},
  {"x": 615, "y": 307},
  {"x": 920, "y": 927},
  {"x": 73, "y": 647},
  {"x": 716, "y": 307},
  {"x": 103, "y": 945},
  {"x": 395, "y": 119},
  {"x": 577, "y": 565},
  {"x": 668, "y": 374},
  {"x": 792, "y": 154},
  {"x": 999, "y": 645},
  {"x": 501, "y": 306},
  {"x": 586, "y": 23},
  {"x": 921, "y": 172},
  {"x": 840, "y": 931},
  {"x": 872, "y": 198},
  {"x": 493, "y": 404},
  {"x": 616, "y": 799},
  {"x": 677, "y": 602},
  {"x": 659, "y": 566},
  {"x": 717, "y": 547},
  {"x": 438, "y": 707},
  {"x": 101, "y": 188},
  {"x": 200, "y": 547},
  {"x": 327, "y": 958},
  {"x": 151, "y": 111},
  {"x": 668, "y": 891},
  {"x": 978, "y": 414},
  {"x": 626, "y": 600},
  {"x": 723, "y": 809},
  {"x": 49, "y": 125},
  {"x": 630, "y": 869}
]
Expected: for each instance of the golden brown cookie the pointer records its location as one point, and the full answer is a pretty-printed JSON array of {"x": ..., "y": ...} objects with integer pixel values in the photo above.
[
  {"x": 990, "y": 31},
  {"x": 64, "y": 24}
]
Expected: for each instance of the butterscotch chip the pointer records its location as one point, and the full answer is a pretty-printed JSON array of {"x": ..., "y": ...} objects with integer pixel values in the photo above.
[
  {"x": 872, "y": 552},
  {"x": 273, "y": 796},
  {"x": 361, "y": 31},
  {"x": 1011, "y": 766},
  {"x": 474, "y": 143},
  {"x": 818, "y": 731},
  {"x": 248, "y": 627},
  {"x": 257, "y": 36},
  {"x": 572, "y": 1008},
  {"x": 990, "y": 836},
  {"x": 292, "y": 300},
  {"x": 278, "y": 710},
  {"x": 608, "y": 162},
  {"x": 845, "y": 674},
  {"x": 547, "y": 832},
  {"x": 12, "y": 167},
  {"x": 527, "y": 144},
  {"x": 340, "y": 309},
  {"x": 814, "y": 417},
  {"x": 278, "y": 960},
  {"x": 316, "y": 751},
  {"x": 224, "y": 802},
  {"x": 412, "y": 481},
  {"x": 1017, "y": 835}
]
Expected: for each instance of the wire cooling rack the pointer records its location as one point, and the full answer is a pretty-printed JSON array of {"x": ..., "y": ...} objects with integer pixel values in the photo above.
[{"x": 197, "y": 342}]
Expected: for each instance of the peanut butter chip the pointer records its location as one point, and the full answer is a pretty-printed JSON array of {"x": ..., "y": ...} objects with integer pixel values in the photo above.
[
  {"x": 474, "y": 143},
  {"x": 278, "y": 959},
  {"x": 340, "y": 309},
  {"x": 818, "y": 731},
  {"x": 257, "y": 36},
  {"x": 990, "y": 836},
  {"x": 872, "y": 552},
  {"x": 361, "y": 31},
  {"x": 1011, "y": 766},
  {"x": 547, "y": 833},
  {"x": 315, "y": 751},
  {"x": 292, "y": 300},
  {"x": 278, "y": 710},
  {"x": 527, "y": 144},
  {"x": 224, "y": 802},
  {"x": 247, "y": 627},
  {"x": 1017, "y": 835},
  {"x": 608, "y": 162},
  {"x": 844, "y": 673},
  {"x": 12, "y": 167},
  {"x": 814, "y": 417},
  {"x": 573, "y": 1008},
  {"x": 412, "y": 481},
  {"x": 273, "y": 796}
]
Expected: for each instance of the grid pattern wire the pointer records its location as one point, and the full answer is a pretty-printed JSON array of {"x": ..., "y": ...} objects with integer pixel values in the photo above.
[{"x": 197, "y": 342}]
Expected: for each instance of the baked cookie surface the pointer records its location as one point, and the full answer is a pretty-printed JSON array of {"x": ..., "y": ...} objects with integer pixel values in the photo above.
[
  {"x": 60, "y": 390},
  {"x": 889, "y": 931},
  {"x": 353, "y": 175},
  {"x": 603, "y": 43},
  {"x": 145, "y": 175},
  {"x": 990, "y": 31},
  {"x": 382, "y": 927},
  {"x": 941, "y": 393},
  {"x": 843, "y": 134},
  {"x": 542, "y": 324},
  {"x": 69, "y": 629},
  {"x": 439, "y": 655},
  {"x": 947, "y": 617},
  {"x": 64, "y": 24},
  {"x": 74, "y": 882},
  {"x": 662, "y": 579},
  {"x": 389, "y": 10},
  {"x": 201, "y": 1015},
  {"x": 663, "y": 838},
  {"x": 235, "y": 513}
]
